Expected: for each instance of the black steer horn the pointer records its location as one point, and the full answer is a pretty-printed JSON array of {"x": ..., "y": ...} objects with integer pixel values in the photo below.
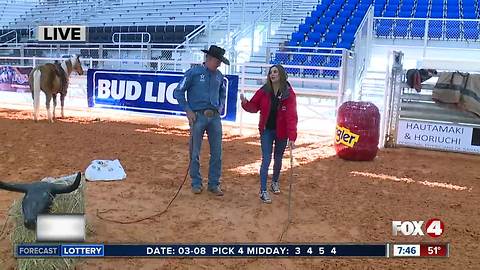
[{"x": 39, "y": 197}]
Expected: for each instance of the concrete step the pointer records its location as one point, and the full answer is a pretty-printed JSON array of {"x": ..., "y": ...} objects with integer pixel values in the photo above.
[
  {"x": 291, "y": 23},
  {"x": 283, "y": 33}
]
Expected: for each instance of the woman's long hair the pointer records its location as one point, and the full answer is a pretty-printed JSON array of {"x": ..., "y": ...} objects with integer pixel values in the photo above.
[{"x": 283, "y": 78}]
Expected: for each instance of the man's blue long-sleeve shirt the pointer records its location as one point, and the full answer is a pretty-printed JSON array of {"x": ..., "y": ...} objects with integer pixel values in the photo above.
[{"x": 205, "y": 90}]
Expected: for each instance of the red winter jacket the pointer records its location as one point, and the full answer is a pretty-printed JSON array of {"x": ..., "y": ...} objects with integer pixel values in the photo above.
[{"x": 287, "y": 117}]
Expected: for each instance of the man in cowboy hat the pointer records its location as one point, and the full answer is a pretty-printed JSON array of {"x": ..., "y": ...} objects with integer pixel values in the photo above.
[{"x": 206, "y": 94}]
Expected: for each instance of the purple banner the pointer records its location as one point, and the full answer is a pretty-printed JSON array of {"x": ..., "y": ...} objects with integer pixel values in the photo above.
[{"x": 14, "y": 79}]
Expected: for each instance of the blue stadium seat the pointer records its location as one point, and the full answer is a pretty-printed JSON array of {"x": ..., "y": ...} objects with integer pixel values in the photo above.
[
  {"x": 299, "y": 58},
  {"x": 331, "y": 13},
  {"x": 422, "y": 7},
  {"x": 350, "y": 4},
  {"x": 320, "y": 59},
  {"x": 453, "y": 13},
  {"x": 452, "y": 29},
  {"x": 452, "y": 3},
  {"x": 335, "y": 7},
  {"x": 358, "y": 14},
  {"x": 436, "y": 14},
  {"x": 331, "y": 37},
  {"x": 345, "y": 44},
  {"x": 333, "y": 61},
  {"x": 435, "y": 29},
  {"x": 420, "y": 13},
  {"x": 308, "y": 46},
  {"x": 335, "y": 28},
  {"x": 471, "y": 33},
  {"x": 317, "y": 13},
  {"x": 379, "y": 8},
  {"x": 281, "y": 57},
  {"x": 298, "y": 36},
  {"x": 320, "y": 28},
  {"x": 315, "y": 36},
  {"x": 417, "y": 32},
  {"x": 325, "y": 20},
  {"x": 341, "y": 21},
  {"x": 362, "y": 9},
  {"x": 310, "y": 20},
  {"x": 274, "y": 61},
  {"x": 356, "y": 21},
  {"x": 348, "y": 37},
  {"x": 307, "y": 43},
  {"x": 292, "y": 43},
  {"x": 319, "y": 10},
  {"x": 304, "y": 28},
  {"x": 389, "y": 13},
  {"x": 401, "y": 28},
  {"x": 350, "y": 28},
  {"x": 418, "y": 23},
  {"x": 346, "y": 13},
  {"x": 384, "y": 28},
  {"x": 469, "y": 15},
  {"x": 467, "y": 4},
  {"x": 392, "y": 7},
  {"x": 311, "y": 71},
  {"x": 291, "y": 70},
  {"x": 405, "y": 14},
  {"x": 325, "y": 44},
  {"x": 406, "y": 7},
  {"x": 470, "y": 24},
  {"x": 435, "y": 9}
]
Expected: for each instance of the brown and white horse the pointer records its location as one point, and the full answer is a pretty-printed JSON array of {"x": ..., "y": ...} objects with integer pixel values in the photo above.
[{"x": 52, "y": 79}]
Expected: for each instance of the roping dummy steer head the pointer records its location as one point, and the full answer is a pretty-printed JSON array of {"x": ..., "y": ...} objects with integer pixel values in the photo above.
[{"x": 39, "y": 197}]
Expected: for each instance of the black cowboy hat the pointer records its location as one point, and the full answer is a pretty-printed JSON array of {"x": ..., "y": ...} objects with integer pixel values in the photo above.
[{"x": 218, "y": 53}]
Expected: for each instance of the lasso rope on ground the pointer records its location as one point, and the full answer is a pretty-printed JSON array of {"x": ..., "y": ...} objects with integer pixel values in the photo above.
[
  {"x": 159, "y": 213},
  {"x": 144, "y": 218},
  {"x": 290, "y": 180}
]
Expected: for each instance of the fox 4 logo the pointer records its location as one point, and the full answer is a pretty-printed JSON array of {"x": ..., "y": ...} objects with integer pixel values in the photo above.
[{"x": 434, "y": 228}]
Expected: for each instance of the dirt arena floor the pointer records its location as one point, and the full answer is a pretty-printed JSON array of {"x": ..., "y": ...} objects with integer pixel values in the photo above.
[{"x": 333, "y": 200}]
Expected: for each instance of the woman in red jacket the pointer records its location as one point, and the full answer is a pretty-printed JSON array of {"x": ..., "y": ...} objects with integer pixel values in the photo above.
[{"x": 277, "y": 104}]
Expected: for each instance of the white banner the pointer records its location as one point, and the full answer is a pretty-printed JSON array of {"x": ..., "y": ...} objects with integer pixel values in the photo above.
[
  {"x": 68, "y": 33},
  {"x": 455, "y": 138},
  {"x": 59, "y": 228}
]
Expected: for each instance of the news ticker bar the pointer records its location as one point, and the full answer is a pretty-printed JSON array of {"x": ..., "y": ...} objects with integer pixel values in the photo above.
[{"x": 234, "y": 250}]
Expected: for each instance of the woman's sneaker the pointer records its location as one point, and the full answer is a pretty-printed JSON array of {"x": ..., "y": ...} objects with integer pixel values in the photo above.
[
  {"x": 275, "y": 187},
  {"x": 265, "y": 197}
]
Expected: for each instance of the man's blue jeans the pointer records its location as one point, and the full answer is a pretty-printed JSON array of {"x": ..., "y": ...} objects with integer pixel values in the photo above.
[
  {"x": 267, "y": 139},
  {"x": 213, "y": 126}
]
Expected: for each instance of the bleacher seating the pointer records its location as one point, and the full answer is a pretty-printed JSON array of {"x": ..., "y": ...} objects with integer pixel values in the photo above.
[
  {"x": 165, "y": 20},
  {"x": 332, "y": 24},
  {"x": 11, "y": 10},
  {"x": 446, "y": 19}
]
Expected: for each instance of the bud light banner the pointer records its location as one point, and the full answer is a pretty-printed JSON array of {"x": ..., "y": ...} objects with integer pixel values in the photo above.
[{"x": 146, "y": 92}]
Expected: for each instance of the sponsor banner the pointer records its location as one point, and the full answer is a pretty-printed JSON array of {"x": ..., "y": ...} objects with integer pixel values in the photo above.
[
  {"x": 14, "y": 79},
  {"x": 448, "y": 137},
  {"x": 147, "y": 92}
]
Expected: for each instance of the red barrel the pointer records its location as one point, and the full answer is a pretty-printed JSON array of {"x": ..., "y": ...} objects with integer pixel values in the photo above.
[{"x": 358, "y": 131}]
